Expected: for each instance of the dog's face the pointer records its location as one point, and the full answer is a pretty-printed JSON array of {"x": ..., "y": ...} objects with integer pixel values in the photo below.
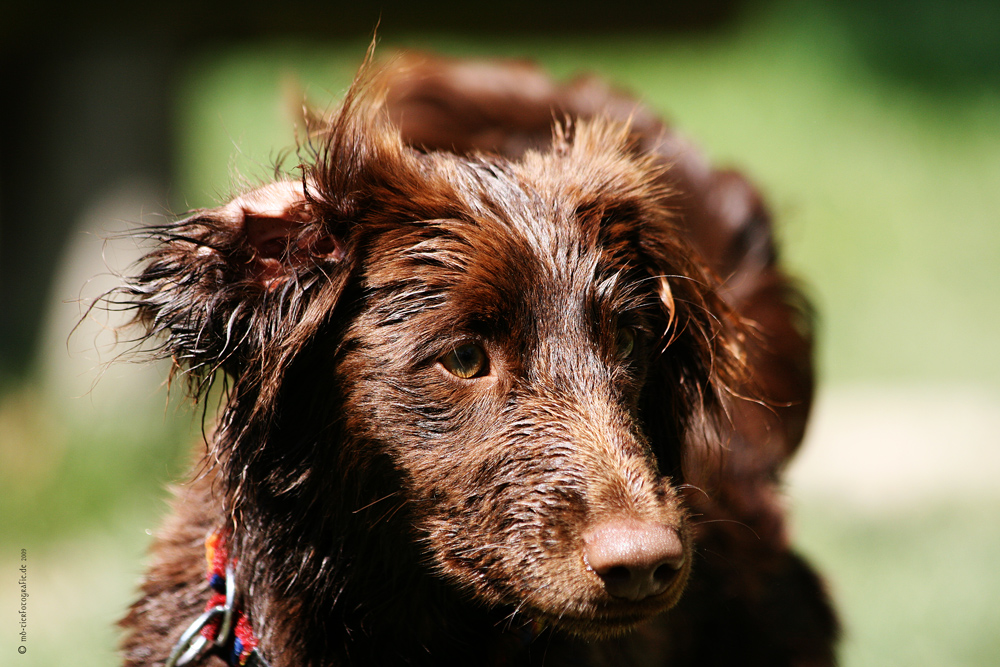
[
  {"x": 528, "y": 342},
  {"x": 500, "y": 358}
]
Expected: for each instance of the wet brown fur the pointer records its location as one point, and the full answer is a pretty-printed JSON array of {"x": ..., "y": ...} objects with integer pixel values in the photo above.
[{"x": 385, "y": 512}]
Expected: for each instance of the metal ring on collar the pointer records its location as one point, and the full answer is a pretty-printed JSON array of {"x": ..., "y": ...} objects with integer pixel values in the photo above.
[{"x": 191, "y": 644}]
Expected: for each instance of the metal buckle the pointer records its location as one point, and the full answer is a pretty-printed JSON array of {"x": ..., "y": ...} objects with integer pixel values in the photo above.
[{"x": 192, "y": 645}]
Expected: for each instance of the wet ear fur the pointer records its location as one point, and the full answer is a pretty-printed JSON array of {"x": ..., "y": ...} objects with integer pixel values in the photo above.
[{"x": 242, "y": 287}]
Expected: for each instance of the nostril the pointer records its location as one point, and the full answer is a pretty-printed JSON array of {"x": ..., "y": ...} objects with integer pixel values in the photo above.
[
  {"x": 616, "y": 576},
  {"x": 664, "y": 574},
  {"x": 635, "y": 560}
]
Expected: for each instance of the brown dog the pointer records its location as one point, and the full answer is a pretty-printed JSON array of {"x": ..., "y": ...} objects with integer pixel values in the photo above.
[{"x": 511, "y": 372}]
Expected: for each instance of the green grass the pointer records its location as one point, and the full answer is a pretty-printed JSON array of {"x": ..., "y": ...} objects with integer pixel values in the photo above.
[
  {"x": 81, "y": 497},
  {"x": 914, "y": 588},
  {"x": 61, "y": 477}
]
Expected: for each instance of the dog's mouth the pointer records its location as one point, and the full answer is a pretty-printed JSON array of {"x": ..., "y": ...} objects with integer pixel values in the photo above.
[{"x": 606, "y": 618}]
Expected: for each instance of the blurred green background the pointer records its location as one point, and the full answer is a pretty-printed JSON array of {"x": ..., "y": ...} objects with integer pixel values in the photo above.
[{"x": 872, "y": 128}]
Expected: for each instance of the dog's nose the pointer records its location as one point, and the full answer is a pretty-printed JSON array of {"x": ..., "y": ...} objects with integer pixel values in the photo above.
[{"x": 634, "y": 559}]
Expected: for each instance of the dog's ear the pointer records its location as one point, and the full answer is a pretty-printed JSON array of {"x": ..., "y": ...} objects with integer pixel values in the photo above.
[
  {"x": 242, "y": 287},
  {"x": 225, "y": 286},
  {"x": 702, "y": 358}
]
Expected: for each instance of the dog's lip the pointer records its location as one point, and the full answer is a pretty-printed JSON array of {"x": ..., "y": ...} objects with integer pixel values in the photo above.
[
  {"x": 613, "y": 612},
  {"x": 611, "y": 616},
  {"x": 655, "y": 602}
]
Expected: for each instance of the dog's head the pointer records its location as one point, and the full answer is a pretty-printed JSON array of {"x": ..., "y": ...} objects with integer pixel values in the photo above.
[{"x": 526, "y": 349}]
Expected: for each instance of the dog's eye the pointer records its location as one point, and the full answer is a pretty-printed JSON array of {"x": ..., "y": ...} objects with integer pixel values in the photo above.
[
  {"x": 466, "y": 361},
  {"x": 625, "y": 342}
]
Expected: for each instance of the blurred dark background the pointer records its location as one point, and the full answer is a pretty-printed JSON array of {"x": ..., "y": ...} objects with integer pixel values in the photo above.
[{"x": 873, "y": 128}]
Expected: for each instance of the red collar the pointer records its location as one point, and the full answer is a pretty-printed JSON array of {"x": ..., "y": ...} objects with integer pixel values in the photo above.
[{"x": 223, "y": 628}]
